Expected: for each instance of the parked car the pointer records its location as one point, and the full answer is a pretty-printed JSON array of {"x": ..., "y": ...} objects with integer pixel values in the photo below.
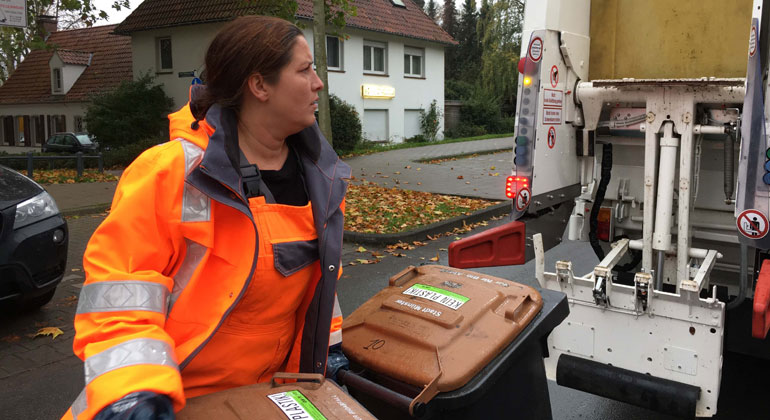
[
  {"x": 71, "y": 143},
  {"x": 33, "y": 242}
]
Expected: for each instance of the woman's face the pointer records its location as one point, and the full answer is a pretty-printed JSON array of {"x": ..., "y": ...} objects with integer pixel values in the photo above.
[{"x": 293, "y": 99}]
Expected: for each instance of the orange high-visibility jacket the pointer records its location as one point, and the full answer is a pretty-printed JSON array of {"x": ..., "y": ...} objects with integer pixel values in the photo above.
[{"x": 177, "y": 253}]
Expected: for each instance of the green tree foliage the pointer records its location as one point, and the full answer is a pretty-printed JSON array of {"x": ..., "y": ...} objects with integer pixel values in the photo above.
[
  {"x": 449, "y": 24},
  {"x": 346, "y": 125},
  {"x": 136, "y": 110},
  {"x": 469, "y": 51},
  {"x": 16, "y": 43},
  {"x": 500, "y": 31},
  {"x": 432, "y": 10}
]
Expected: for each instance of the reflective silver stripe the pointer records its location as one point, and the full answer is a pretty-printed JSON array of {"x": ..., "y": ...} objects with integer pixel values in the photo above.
[
  {"x": 141, "y": 351},
  {"x": 196, "y": 206},
  {"x": 335, "y": 337},
  {"x": 192, "y": 259},
  {"x": 123, "y": 295},
  {"x": 80, "y": 405}
]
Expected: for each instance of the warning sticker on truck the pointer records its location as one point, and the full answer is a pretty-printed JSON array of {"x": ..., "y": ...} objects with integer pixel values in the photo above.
[
  {"x": 553, "y": 98},
  {"x": 435, "y": 294},
  {"x": 296, "y": 406},
  {"x": 552, "y": 116}
]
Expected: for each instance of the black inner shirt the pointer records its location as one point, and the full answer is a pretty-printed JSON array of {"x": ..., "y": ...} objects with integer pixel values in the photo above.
[{"x": 286, "y": 183}]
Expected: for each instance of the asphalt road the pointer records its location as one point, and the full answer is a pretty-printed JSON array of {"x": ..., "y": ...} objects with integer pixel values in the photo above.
[{"x": 40, "y": 377}]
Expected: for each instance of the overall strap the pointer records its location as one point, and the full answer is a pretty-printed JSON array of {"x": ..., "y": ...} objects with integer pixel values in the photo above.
[{"x": 253, "y": 185}]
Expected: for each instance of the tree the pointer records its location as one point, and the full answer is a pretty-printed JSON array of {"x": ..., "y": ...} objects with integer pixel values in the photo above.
[
  {"x": 319, "y": 43},
  {"x": 432, "y": 10},
  {"x": 468, "y": 51},
  {"x": 500, "y": 33},
  {"x": 16, "y": 43},
  {"x": 136, "y": 110},
  {"x": 449, "y": 24}
]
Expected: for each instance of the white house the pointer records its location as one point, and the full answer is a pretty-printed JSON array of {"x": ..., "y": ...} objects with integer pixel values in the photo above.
[
  {"x": 50, "y": 90},
  {"x": 391, "y": 65}
]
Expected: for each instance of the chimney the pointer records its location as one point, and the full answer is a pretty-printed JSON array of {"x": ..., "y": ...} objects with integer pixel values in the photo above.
[{"x": 47, "y": 25}]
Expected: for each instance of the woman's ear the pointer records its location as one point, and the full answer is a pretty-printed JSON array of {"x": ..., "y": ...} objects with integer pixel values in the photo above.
[{"x": 258, "y": 87}]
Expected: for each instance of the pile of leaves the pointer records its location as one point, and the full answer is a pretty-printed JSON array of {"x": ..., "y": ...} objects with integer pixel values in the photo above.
[
  {"x": 70, "y": 176},
  {"x": 374, "y": 209}
]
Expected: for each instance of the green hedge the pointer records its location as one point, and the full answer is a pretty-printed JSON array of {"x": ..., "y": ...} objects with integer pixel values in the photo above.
[{"x": 346, "y": 125}]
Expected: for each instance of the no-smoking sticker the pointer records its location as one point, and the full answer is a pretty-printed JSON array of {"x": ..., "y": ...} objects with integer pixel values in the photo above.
[
  {"x": 522, "y": 199},
  {"x": 752, "y": 224},
  {"x": 535, "y": 51},
  {"x": 554, "y": 76},
  {"x": 551, "y": 137}
]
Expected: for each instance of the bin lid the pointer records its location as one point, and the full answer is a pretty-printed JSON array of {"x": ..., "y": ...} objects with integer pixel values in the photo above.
[
  {"x": 436, "y": 326},
  {"x": 311, "y": 397}
]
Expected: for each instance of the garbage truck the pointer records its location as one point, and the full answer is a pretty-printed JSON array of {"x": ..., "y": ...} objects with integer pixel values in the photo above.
[{"x": 649, "y": 117}]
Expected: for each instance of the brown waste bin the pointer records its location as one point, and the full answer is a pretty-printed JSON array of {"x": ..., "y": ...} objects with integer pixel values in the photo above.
[
  {"x": 442, "y": 342},
  {"x": 310, "y": 398}
]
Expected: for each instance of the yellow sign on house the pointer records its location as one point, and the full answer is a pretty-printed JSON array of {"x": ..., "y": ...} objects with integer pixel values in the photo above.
[{"x": 378, "y": 92}]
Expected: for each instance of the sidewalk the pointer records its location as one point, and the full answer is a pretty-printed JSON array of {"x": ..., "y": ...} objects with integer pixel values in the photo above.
[{"x": 471, "y": 177}]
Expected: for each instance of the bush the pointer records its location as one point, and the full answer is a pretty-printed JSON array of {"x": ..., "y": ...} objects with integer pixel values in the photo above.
[
  {"x": 135, "y": 110},
  {"x": 123, "y": 156},
  {"x": 346, "y": 125},
  {"x": 465, "y": 130},
  {"x": 457, "y": 90},
  {"x": 429, "y": 121},
  {"x": 415, "y": 139}
]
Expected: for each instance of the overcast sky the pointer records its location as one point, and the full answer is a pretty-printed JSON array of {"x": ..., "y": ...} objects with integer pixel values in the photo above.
[{"x": 117, "y": 17}]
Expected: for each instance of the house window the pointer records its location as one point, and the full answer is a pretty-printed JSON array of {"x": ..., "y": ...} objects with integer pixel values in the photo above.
[
  {"x": 414, "y": 59},
  {"x": 165, "y": 62},
  {"x": 333, "y": 53},
  {"x": 57, "y": 82},
  {"x": 78, "y": 123},
  {"x": 375, "y": 60}
]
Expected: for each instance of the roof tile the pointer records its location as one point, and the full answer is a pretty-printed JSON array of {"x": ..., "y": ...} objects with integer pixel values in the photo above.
[
  {"x": 110, "y": 56},
  {"x": 374, "y": 15}
]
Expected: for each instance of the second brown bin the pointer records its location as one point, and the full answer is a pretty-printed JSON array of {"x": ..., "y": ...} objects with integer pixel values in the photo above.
[{"x": 436, "y": 328}]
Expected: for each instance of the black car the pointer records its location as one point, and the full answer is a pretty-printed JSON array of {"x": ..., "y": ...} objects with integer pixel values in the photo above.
[
  {"x": 33, "y": 242},
  {"x": 70, "y": 143}
]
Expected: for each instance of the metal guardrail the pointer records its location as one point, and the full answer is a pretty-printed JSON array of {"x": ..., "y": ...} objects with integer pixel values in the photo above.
[{"x": 79, "y": 156}]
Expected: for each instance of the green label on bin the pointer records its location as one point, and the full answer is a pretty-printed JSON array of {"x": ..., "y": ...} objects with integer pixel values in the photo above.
[
  {"x": 435, "y": 294},
  {"x": 296, "y": 406}
]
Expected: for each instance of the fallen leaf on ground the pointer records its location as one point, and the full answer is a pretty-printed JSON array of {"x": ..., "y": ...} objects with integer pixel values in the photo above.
[
  {"x": 75, "y": 269},
  {"x": 362, "y": 261},
  {"x": 361, "y": 249},
  {"x": 460, "y": 177},
  {"x": 10, "y": 338},
  {"x": 52, "y": 331},
  {"x": 435, "y": 258}
]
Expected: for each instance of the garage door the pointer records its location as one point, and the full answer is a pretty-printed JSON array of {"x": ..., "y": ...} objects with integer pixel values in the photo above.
[
  {"x": 411, "y": 122},
  {"x": 376, "y": 124}
]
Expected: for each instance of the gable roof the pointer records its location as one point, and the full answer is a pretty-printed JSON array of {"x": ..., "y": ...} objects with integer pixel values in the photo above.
[
  {"x": 110, "y": 64},
  {"x": 80, "y": 58},
  {"x": 373, "y": 15}
]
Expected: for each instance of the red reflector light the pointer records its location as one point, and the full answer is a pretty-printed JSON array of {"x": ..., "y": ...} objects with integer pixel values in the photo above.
[
  {"x": 522, "y": 61},
  {"x": 604, "y": 225}
]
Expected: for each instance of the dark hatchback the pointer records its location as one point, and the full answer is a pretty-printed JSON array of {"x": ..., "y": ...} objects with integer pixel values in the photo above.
[
  {"x": 33, "y": 242},
  {"x": 70, "y": 143}
]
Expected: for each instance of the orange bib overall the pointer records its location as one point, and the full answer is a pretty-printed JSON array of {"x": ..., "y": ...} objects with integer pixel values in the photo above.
[{"x": 254, "y": 340}]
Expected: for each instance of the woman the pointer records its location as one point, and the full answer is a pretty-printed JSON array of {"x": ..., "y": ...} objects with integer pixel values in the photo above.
[{"x": 218, "y": 263}]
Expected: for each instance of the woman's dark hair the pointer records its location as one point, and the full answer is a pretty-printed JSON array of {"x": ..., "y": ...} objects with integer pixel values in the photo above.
[{"x": 245, "y": 46}]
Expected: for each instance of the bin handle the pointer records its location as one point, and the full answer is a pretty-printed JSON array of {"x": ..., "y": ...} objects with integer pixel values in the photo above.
[
  {"x": 317, "y": 378},
  {"x": 403, "y": 276},
  {"x": 430, "y": 390}
]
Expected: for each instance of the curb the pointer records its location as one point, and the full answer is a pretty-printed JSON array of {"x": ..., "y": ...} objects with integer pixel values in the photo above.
[
  {"x": 86, "y": 210},
  {"x": 431, "y": 229}
]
